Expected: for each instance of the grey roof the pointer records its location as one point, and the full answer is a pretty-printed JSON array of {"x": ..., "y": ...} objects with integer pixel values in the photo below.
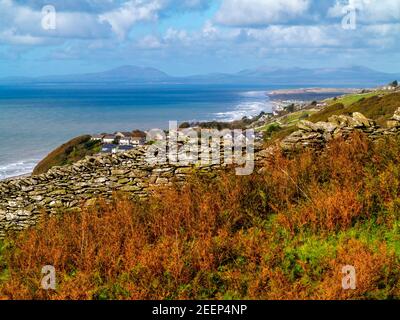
[
  {"x": 125, "y": 147},
  {"x": 109, "y": 146},
  {"x": 125, "y": 134}
]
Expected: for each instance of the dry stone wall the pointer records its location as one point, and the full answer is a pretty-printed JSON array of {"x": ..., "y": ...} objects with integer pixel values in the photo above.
[
  {"x": 22, "y": 201},
  {"x": 317, "y": 135}
]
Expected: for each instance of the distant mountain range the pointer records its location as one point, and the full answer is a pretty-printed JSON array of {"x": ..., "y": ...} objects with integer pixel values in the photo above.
[{"x": 134, "y": 75}]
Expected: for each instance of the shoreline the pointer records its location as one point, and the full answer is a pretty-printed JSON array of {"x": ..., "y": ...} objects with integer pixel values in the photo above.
[
  {"x": 275, "y": 98},
  {"x": 21, "y": 176},
  {"x": 315, "y": 90},
  {"x": 244, "y": 109}
]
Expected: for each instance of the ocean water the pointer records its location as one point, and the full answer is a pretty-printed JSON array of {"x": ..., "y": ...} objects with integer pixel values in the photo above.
[{"x": 35, "y": 120}]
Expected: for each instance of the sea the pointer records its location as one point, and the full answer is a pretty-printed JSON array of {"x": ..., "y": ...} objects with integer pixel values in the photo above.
[{"x": 34, "y": 120}]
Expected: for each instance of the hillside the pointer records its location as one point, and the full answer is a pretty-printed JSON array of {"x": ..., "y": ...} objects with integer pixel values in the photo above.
[
  {"x": 376, "y": 105},
  {"x": 283, "y": 233},
  {"x": 70, "y": 152}
]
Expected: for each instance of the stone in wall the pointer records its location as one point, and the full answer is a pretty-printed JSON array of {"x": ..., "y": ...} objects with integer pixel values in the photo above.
[
  {"x": 317, "y": 135},
  {"x": 23, "y": 201}
]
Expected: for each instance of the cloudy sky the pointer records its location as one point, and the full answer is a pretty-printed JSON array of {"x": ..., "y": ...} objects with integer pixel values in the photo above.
[{"x": 185, "y": 37}]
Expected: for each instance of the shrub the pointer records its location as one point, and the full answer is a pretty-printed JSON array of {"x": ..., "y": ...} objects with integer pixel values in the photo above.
[{"x": 283, "y": 233}]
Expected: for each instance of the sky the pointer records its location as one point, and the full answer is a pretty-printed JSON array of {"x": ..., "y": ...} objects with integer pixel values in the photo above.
[{"x": 184, "y": 37}]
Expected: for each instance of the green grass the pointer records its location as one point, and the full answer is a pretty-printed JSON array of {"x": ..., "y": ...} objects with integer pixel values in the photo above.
[
  {"x": 353, "y": 98},
  {"x": 295, "y": 117},
  {"x": 268, "y": 127},
  {"x": 376, "y": 107}
]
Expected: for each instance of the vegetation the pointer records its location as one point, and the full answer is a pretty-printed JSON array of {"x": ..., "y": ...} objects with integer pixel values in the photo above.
[
  {"x": 236, "y": 124},
  {"x": 282, "y": 233},
  {"x": 377, "y": 107},
  {"x": 270, "y": 129},
  {"x": 68, "y": 153},
  {"x": 297, "y": 116},
  {"x": 349, "y": 99}
]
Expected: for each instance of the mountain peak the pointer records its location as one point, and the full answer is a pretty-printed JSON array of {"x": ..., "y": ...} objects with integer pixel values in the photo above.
[
  {"x": 135, "y": 72},
  {"x": 359, "y": 76}
]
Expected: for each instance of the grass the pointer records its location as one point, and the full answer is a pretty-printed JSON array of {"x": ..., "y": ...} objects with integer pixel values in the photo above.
[
  {"x": 376, "y": 107},
  {"x": 295, "y": 117},
  {"x": 68, "y": 153},
  {"x": 284, "y": 233},
  {"x": 350, "y": 99}
]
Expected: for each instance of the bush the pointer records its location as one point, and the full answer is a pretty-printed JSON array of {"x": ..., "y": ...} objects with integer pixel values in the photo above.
[
  {"x": 284, "y": 233},
  {"x": 70, "y": 152}
]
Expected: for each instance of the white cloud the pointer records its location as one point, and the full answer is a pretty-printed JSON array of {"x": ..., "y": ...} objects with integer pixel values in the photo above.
[
  {"x": 150, "y": 42},
  {"x": 295, "y": 36},
  {"x": 10, "y": 36},
  {"x": 123, "y": 18},
  {"x": 20, "y": 21},
  {"x": 369, "y": 11},
  {"x": 23, "y": 25},
  {"x": 260, "y": 12}
]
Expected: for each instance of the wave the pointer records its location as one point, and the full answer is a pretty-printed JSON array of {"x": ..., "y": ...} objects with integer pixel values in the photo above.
[
  {"x": 245, "y": 109},
  {"x": 254, "y": 94},
  {"x": 17, "y": 168}
]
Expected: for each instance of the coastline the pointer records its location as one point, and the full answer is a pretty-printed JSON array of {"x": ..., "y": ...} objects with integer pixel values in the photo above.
[
  {"x": 315, "y": 90},
  {"x": 238, "y": 104},
  {"x": 22, "y": 176},
  {"x": 17, "y": 169},
  {"x": 273, "y": 100}
]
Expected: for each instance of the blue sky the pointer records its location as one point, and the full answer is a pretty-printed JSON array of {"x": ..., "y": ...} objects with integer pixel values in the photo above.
[{"x": 184, "y": 37}]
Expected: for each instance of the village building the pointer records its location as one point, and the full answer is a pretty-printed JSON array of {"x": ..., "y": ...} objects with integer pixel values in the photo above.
[
  {"x": 125, "y": 141},
  {"x": 97, "y": 137},
  {"x": 109, "y": 148},
  {"x": 123, "y": 134},
  {"x": 109, "y": 138},
  {"x": 138, "y": 141}
]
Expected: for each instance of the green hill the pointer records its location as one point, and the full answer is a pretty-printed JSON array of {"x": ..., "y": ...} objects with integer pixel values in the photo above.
[
  {"x": 379, "y": 107},
  {"x": 70, "y": 152}
]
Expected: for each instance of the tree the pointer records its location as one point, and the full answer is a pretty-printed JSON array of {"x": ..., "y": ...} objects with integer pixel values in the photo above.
[
  {"x": 138, "y": 134},
  {"x": 184, "y": 125},
  {"x": 291, "y": 108}
]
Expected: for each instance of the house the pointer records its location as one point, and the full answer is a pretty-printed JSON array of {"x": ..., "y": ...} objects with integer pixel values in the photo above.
[
  {"x": 109, "y": 138},
  {"x": 97, "y": 137},
  {"x": 123, "y": 134},
  {"x": 125, "y": 141},
  {"x": 109, "y": 148},
  {"x": 138, "y": 141}
]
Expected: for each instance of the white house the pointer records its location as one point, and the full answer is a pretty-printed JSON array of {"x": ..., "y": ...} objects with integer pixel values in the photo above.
[
  {"x": 97, "y": 137},
  {"x": 126, "y": 141},
  {"x": 109, "y": 138},
  {"x": 124, "y": 134},
  {"x": 138, "y": 141}
]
